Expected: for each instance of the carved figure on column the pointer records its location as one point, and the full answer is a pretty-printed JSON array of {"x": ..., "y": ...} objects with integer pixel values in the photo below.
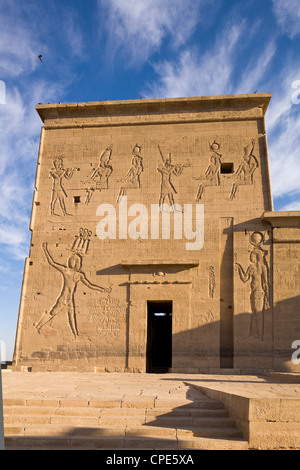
[
  {"x": 99, "y": 178},
  {"x": 211, "y": 176},
  {"x": 246, "y": 169},
  {"x": 166, "y": 169},
  {"x": 58, "y": 192},
  {"x": 72, "y": 274},
  {"x": 212, "y": 281},
  {"x": 258, "y": 274},
  {"x": 81, "y": 242},
  {"x": 132, "y": 178}
]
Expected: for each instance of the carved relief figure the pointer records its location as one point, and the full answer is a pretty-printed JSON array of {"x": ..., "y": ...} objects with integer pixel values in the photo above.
[
  {"x": 246, "y": 169},
  {"x": 166, "y": 170},
  {"x": 258, "y": 275},
  {"x": 58, "y": 192},
  {"x": 99, "y": 178},
  {"x": 211, "y": 176},
  {"x": 212, "y": 281},
  {"x": 81, "y": 242},
  {"x": 206, "y": 318},
  {"x": 132, "y": 178},
  {"x": 72, "y": 275}
]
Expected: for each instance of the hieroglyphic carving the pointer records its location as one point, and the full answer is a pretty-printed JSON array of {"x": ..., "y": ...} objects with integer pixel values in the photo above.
[
  {"x": 132, "y": 178},
  {"x": 258, "y": 274},
  {"x": 99, "y": 177},
  {"x": 108, "y": 314},
  {"x": 211, "y": 281},
  {"x": 159, "y": 274},
  {"x": 246, "y": 169},
  {"x": 211, "y": 176},
  {"x": 72, "y": 274},
  {"x": 206, "y": 318},
  {"x": 166, "y": 170},
  {"x": 58, "y": 192},
  {"x": 81, "y": 242}
]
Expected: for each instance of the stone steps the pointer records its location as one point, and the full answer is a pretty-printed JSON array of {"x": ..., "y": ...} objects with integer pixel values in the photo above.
[
  {"x": 67, "y": 424},
  {"x": 114, "y": 430},
  {"x": 15, "y": 420},
  {"x": 103, "y": 412},
  {"x": 122, "y": 443}
]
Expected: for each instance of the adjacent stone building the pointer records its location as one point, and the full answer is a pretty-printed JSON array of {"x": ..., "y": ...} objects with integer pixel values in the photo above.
[{"x": 154, "y": 243}]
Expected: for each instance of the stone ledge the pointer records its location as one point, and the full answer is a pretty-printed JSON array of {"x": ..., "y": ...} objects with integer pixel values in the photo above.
[
  {"x": 154, "y": 111},
  {"x": 281, "y": 219},
  {"x": 287, "y": 377},
  {"x": 267, "y": 423}
]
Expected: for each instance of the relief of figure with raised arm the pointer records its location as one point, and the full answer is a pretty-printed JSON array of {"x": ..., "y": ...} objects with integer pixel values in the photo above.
[{"x": 72, "y": 274}]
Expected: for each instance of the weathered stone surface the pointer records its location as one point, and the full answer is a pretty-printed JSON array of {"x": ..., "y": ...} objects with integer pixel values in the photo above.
[
  {"x": 88, "y": 301},
  {"x": 189, "y": 411}
]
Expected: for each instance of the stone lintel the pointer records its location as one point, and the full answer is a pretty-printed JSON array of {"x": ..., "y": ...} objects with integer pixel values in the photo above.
[{"x": 163, "y": 263}]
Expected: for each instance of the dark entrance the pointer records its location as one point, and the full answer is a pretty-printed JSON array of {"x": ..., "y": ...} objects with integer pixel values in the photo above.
[{"x": 159, "y": 340}]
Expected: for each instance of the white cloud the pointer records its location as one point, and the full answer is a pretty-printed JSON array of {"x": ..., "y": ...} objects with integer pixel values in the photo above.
[
  {"x": 17, "y": 134},
  {"x": 284, "y": 157},
  {"x": 20, "y": 124},
  {"x": 11, "y": 236},
  {"x": 19, "y": 46},
  {"x": 195, "y": 74},
  {"x": 73, "y": 34},
  {"x": 283, "y": 126},
  {"x": 139, "y": 27},
  {"x": 20, "y": 128},
  {"x": 287, "y": 14},
  {"x": 31, "y": 28},
  {"x": 218, "y": 71},
  {"x": 292, "y": 206},
  {"x": 257, "y": 70}
]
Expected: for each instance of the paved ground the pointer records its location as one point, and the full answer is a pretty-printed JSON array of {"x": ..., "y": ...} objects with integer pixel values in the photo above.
[{"x": 176, "y": 387}]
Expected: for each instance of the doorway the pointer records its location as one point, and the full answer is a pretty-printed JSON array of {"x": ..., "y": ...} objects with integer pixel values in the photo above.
[{"x": 159, "y": 337}]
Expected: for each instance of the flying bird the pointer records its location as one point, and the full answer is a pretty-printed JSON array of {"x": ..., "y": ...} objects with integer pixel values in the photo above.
[{"x": 40, "y": 57}]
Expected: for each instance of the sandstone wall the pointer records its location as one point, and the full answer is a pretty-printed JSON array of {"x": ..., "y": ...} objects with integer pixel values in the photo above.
[{"x": 117, "y": 153}]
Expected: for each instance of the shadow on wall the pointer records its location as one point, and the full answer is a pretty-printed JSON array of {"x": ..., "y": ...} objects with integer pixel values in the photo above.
[
  {"x": 287, "y": 331},
  {"x": 256, "y": 341},
  {"x": 262, "y": 341}
]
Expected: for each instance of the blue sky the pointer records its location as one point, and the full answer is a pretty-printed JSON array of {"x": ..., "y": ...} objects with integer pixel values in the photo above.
[{"x": 126, "y": 49}]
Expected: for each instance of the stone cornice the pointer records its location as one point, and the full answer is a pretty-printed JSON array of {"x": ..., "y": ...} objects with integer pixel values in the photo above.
[
  {"x": 154, "y": 111},
  {"x": 282, "y": 218}
]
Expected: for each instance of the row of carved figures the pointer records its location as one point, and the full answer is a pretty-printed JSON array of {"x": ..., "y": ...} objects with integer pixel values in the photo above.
[
  {"x": 257, "y": 273},
  {"x": 98, "y": 180}
]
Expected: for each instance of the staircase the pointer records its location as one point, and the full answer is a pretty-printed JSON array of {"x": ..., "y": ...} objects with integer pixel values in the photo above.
[{"x": 116, "y": 424}]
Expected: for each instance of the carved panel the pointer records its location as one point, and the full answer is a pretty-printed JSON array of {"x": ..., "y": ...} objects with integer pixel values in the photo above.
[
  {"x": 98, "y": 180},
  {"x": 72, "y": 274},
  {"x": 244, "y": 173},
  {"x": 58, "y": 173},
  {"x": 132, "y": 178},
  {"x": 167, "y": 170},
  {"x": 257, "y": 274},
  {"x": 211, "y": 176}
]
